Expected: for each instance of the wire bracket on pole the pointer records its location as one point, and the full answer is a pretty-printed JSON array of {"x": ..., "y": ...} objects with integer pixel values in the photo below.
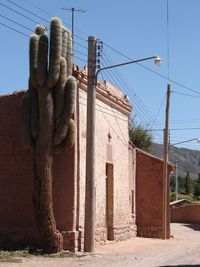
[{"x": 99, "y": 48}]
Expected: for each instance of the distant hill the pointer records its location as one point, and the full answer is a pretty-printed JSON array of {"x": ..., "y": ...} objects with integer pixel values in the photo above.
[{"x": 188, "y": 160}]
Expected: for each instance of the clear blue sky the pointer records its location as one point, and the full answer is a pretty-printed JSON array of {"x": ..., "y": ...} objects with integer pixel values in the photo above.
[{"x": 136, "y": 28}]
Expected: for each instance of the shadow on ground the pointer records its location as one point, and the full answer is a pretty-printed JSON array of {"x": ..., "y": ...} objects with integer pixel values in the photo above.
[
  {"x": 190, "y": 265},
  {"x": 195, "y": 227}
]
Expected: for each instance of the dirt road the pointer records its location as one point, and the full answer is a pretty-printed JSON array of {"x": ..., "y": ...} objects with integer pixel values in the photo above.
[{"x": 182, "y": 250}]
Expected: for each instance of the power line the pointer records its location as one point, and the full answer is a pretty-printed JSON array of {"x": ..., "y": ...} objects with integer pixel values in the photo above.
[
  {"x": 27, "y": 11},
  {"x": 125, "y": 85},
  {"x": 14, "y": 29},
  {"x": 178, "y": 93},
  {"x": 22, "y": 33},
  {"x": 19, "y": 13},
  {"x": 50, "y": 14},
  {"x": 174, "y": 129},
  {"x": 159, "y": 109},
  {"x": 168, "y": 39},
  {"x": 122, "y": 134},
  {"x": 19, "y": 24},
  {"x": 156, "y": 73},
  {"x": 35, "y": 6}
]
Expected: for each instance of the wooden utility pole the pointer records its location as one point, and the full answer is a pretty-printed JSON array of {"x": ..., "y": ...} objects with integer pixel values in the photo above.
[
  {"x": 165, "y": 201},
  {"x": 176, "y": 179},
  {"x": 90, "y": 197}
]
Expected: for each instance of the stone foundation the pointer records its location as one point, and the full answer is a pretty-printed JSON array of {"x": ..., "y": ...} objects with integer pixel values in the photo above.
[
  {"x": 73, "y": 240},
  {"x": 120, "y": 233},
  {"x": 124, "y": 232}
]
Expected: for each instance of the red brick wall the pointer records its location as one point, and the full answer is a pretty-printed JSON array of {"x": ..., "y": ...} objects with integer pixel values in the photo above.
[
  {"x": 17, "y": 226},
  {"x": 149, "y": 194},
  {"x": 189, "y": 213}
]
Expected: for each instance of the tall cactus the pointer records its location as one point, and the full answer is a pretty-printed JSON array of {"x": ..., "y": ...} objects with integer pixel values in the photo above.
[{"x": 46, "y": 123}]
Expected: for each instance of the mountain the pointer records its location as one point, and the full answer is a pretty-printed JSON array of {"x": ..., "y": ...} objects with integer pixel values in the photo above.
[{"x": 187, "y": 159}]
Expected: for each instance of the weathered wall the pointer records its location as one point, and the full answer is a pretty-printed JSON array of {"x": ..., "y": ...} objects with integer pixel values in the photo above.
[
  {"x": 149, "y": 194},
  {"x": 189, "y": 213},
  {"x": 112, "y": 150},
  {"x": 17, "y": 226},
  {"x": 112, "y": 147}
]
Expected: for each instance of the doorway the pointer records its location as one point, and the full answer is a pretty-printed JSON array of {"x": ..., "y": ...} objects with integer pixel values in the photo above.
[{"x": 109, "y": 201}]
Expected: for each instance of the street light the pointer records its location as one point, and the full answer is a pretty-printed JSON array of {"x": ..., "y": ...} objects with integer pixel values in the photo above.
[
  {"x": 157, "y": 61},
  {"x": 90, "y": 198},
  {"x": 176, "y": 178}
]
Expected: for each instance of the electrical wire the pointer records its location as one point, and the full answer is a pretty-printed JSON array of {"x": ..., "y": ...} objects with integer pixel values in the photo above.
[
  {"x": 28, "y": 11},
  {"x": 122, "y": 134},
  {"x": 168, "y": 63},
  {"x": 175, "y": 129},
  {"x": 140, "y": 114},
  {"x": 14, "y": 29},
  {"x": 75, "y": 35},
  {"x": 158, "y": 111},
  {"x": 24, "y": 34},
  {"x": 178, "y": 93},
  {"x": 125, "y": 86},
  {"x": 154, "y": 72},
  {"x": 19, "y": 24},
  {"x": 19, "y": 13},
  {"x": 40, "y": 9}
]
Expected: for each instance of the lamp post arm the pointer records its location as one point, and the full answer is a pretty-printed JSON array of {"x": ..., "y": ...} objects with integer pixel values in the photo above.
[
  {"x": 193, "y": 139},
  {"x": 123, "y": 64}
]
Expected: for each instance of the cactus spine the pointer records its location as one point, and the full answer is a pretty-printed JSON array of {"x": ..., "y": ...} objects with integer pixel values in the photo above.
[{"x": 47, "y": 126}]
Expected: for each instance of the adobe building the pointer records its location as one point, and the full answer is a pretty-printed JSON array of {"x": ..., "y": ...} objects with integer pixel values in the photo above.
[
  {"x": 122, "y": 175},
  {"x": 149, "y": 196}
]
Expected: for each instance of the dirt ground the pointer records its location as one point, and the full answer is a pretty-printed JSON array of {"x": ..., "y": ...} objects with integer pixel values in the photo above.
[{"x": 183, "y": 249}]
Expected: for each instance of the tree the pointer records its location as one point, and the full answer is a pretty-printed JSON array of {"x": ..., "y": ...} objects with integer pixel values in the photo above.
[
  {"x": 46, "y": 124},
  {"x": 197, "y": 187},
  {"x": 140, "y": 137},
  {"x": 181, "y": 185},
  {"x": 172, "y": 183},
  {"x": 188, "y": 184}
]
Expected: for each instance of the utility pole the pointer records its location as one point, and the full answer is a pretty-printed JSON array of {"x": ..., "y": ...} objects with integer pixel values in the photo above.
[
  {"x": 176, "y": 179},
  {"x": 73, "y": 10},
  {"x": 165, "y": 201},
  {"x": 90, "y": 194},
  {"x": 90, "y": 189}
]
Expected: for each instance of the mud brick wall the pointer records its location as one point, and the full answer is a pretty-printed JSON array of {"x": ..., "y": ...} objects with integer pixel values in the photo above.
[
  {"x": 189, "y": 213},
  {"x": 17, "y": 225},
  {"x": 149, "y": 194}
]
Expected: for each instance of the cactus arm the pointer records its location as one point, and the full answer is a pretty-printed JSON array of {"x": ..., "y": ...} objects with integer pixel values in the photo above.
[
  {"x": 59, "y": 90},
  {"x": 42, "y": 60},
  {"x": 55, "y": 52},
  {"x": 69, "y": 55},
  {"x": 64, "y": 42},
  {"x": 39, "y": 29},
  {"x": 61, "y": 130},
  {"x": 25, "y": 122},
  {"x": 33, "y": 48},
  {"x": 69, "y": 139}
]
